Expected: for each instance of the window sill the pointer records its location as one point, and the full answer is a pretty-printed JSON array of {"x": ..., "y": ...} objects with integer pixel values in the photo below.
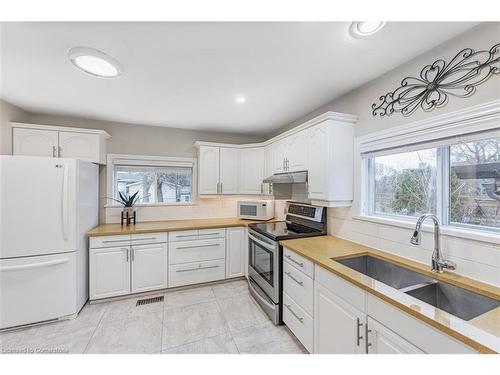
[
  {"x": 446, "y": 230},
  {"x": 154, "y": 205}
]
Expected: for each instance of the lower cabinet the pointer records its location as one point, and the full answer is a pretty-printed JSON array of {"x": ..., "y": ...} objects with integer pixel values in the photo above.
[
  {"x": 235, "y": 252},
  {"x": 195, "y": 273},
  {"x": 149, "y": 267},
  {"x": 381, "y": 340},
  {"x": 109, "y": 272},
  {"x": 338, "y": 326}
]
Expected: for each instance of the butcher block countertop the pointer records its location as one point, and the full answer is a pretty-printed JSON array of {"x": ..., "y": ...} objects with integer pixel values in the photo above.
[
  {"x": 167, "y": 226},
  {"x": 481, "y": 333}
]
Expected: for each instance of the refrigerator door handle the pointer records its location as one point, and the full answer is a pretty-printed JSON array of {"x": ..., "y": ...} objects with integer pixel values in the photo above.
[
  {"x": 23, "y": 267},
  {"x": 65, "y": 205}
]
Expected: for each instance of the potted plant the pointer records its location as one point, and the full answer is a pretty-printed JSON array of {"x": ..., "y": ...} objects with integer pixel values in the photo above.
[{"x": 127, "y": 201}]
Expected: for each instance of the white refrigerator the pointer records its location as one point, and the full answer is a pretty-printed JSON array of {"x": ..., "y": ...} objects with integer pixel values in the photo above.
[{"x": 46, "y": 207}]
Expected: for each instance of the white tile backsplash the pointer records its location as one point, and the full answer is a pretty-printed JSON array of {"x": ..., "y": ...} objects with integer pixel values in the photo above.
[{"x": 475, "y": 259}]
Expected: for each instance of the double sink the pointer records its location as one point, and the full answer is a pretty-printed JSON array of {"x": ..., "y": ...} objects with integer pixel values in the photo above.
[{"x": 444, "y": 296}]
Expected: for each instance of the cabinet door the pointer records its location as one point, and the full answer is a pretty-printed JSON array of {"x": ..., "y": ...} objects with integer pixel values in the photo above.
[
  {"x": 208, "y": 176},
  {"x": 296, "y": 151},
  {"x": 251, "y": 170},
  {"x": 318, "y": 161},
  {"x": 338, "y": 326},
  {"x": 384, "y": 341},
  {"x": 149, "y": 267},
  {"x": 229, "y": 158},
  {"x": 34, "y": 142},
  {"x": 278, "y": 155},
  {"x": 81, "y": 146},
  {"x": 109, "y": 272},
  {"x": 235, "y": 252}
]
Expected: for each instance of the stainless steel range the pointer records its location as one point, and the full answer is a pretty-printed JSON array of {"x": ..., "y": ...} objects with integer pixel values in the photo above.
[{"x": 265, "y": 258}]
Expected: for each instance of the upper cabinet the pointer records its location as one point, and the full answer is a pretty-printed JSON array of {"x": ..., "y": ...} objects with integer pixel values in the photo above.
[
  {"x": 251, "y": 170},
  {"x": 290, "y": 153},
  {"x": 330, "y": 172},
  {"x": 218, "y": 170},
  {"x": 62, "y": 142}
]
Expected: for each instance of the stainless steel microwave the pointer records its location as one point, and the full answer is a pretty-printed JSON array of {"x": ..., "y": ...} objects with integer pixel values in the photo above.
[{"x": 256, "y": 210}]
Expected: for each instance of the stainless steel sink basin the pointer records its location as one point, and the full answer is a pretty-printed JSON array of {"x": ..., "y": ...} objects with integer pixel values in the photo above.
[
  {"x": 385, "y": 272},
  {"x": 452, "y": 299}
]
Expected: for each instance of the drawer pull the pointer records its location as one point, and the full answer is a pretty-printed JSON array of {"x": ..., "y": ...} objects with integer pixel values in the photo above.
[
  {"x": 208, "y": 234},
  {"x": 186, "y": 235},
  {"x": 294, "y": 313},
  {"x": 301, "y": 283},
  {"x": 300, "y": 264},
  {"x": 144, "y": 239},
  {"x": 195, "y": 247},
  {"x": 197, "y": 269},
  {"x": 111, "y": 241}
]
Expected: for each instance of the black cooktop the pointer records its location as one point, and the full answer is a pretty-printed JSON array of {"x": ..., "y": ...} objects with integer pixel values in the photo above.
[{"x": 283, "y": 230}]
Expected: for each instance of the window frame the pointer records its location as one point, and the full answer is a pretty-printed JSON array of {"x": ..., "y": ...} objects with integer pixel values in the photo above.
[
  {"x": 149, "y": 161},
  {"x": 480, "y": 121}
]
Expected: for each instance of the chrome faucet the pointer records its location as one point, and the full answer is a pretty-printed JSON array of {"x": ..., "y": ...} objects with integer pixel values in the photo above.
[{"x": 438, "y": 263}]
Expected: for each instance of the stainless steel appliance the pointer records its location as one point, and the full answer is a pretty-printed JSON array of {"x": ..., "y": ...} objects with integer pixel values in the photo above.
[
  {"x": 265, "y": 258},
  {"x": 256, "y": 210}
]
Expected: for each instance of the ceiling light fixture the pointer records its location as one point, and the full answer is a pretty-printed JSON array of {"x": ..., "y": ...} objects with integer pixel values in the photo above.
[
  {"x": 240, "y": 99},
  {"x": 94, "y": 62},
  {"x": 363, "y": 29}
]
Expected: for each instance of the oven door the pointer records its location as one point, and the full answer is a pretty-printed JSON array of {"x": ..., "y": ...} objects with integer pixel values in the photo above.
[{"x": 263, "y": 263}]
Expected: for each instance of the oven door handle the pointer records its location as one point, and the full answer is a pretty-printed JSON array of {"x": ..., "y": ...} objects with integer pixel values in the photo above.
[
  {"x": 259, "y": 295},
  {"x": 262, "y": 243}
]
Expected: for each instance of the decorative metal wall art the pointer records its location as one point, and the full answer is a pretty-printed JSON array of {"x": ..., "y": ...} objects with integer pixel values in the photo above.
[{"x": 439, "y": 80}]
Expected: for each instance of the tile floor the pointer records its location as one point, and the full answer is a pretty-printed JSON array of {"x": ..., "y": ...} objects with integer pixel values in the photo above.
[{"x": 219, "y": 318}]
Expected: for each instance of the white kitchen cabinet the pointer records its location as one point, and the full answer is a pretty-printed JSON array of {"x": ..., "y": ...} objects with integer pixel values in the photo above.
[
  {"x": 338, "y": 326},
  {"x": 235, "y": 252},
  {"x": 109, "y": 272},
  {"x": 33, "y": 142},
  {"x": 251, "y": 170},
  {"x": 382, "y": 340},
  {"x": 296, "y": 151},
  {"x": 149, "y": 267},
  {"x": 330, "y": 163},
  {"x": 208, "y": 176},
  {"x": 229, "y": 168},
  {"x": 268, "y": 168},
  {"x": 279, "y": 154},
  {"x": 59, "y": 141}
]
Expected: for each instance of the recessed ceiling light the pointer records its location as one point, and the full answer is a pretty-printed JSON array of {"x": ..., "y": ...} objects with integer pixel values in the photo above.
[
  {"x": 94, "y": 62},
  {"x": 240, "y": 99},
  {"x": 363, "y": 29}
]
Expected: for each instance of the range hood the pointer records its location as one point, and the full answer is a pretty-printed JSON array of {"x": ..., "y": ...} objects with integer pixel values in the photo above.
[{"x": 287, "y": 178}]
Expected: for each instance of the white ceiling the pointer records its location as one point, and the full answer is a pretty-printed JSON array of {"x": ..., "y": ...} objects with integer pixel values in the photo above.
[{"x": 186, "y": 75}]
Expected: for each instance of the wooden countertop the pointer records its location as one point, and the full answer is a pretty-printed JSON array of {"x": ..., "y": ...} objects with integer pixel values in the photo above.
[
  {"x": 167, "y": 226},
  {"x": 481, "y": 333}
]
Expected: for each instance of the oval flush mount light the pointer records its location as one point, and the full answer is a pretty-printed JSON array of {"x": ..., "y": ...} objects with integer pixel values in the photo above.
[
  {"x": 94, "y": 62},
  {"x": 240, "y": 99},
  {"x": 363, "y": 29}
]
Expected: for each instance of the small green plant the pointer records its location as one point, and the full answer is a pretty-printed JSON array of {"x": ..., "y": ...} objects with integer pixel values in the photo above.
[{"x": 127, "y": 200}]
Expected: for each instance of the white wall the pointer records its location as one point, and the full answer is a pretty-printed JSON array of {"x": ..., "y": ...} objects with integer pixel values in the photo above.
[{"x": 476, "y": 259}]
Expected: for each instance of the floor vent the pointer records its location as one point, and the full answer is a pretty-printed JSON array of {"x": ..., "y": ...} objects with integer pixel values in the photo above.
[{"x": 147, "y": 301}]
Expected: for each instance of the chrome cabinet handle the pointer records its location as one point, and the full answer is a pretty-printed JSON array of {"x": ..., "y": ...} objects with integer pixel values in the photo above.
[
  {"x": 53, "y": 151},
  {"x": 359, "y": 337},
  {"x": 294, "y": 313},
  {"x": 186, "y": 235},
  {"x": 294, "y": 279},
  {"x": 126, "y": 251},
  {"x": 367, "y": 344},
  {"x": 194, "y": 247},
  {"x": 197, "y": 269},
  {"x": 300, "y": 264},
  {"x": 208, "y": 234},
  {"x": 261, "y": 188},
  {"x": 110, "y": 241},
  {"x": 221, "y": 188},
  {"x": 59, "y": 151},
  {"x": 132, "y": 254}
]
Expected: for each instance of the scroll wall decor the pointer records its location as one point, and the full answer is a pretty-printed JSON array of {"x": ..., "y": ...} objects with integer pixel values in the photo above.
[{"x": 439, "y": 80}]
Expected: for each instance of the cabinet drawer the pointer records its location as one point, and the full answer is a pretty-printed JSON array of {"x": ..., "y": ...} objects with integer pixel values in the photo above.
[
  {"x": 197, "y": 272},
  {"x": 298, "y": 286},
  {"x": 183, "y": 235},
  {"x": 299, "y": 322},
  {"x": 299, "y": 262},
  {"x": 343, "y": 289},
  {"x": 147, "y": 238},
  {"x": 205, "y": 234},
  {"x": 195, "y": 251},
  {"x": 109, "y": 241}
]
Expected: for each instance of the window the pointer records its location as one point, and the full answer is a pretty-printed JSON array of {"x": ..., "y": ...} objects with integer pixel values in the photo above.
[
  {"x": 157, "y": 180},
  {"x": 457, "y": 180}
]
